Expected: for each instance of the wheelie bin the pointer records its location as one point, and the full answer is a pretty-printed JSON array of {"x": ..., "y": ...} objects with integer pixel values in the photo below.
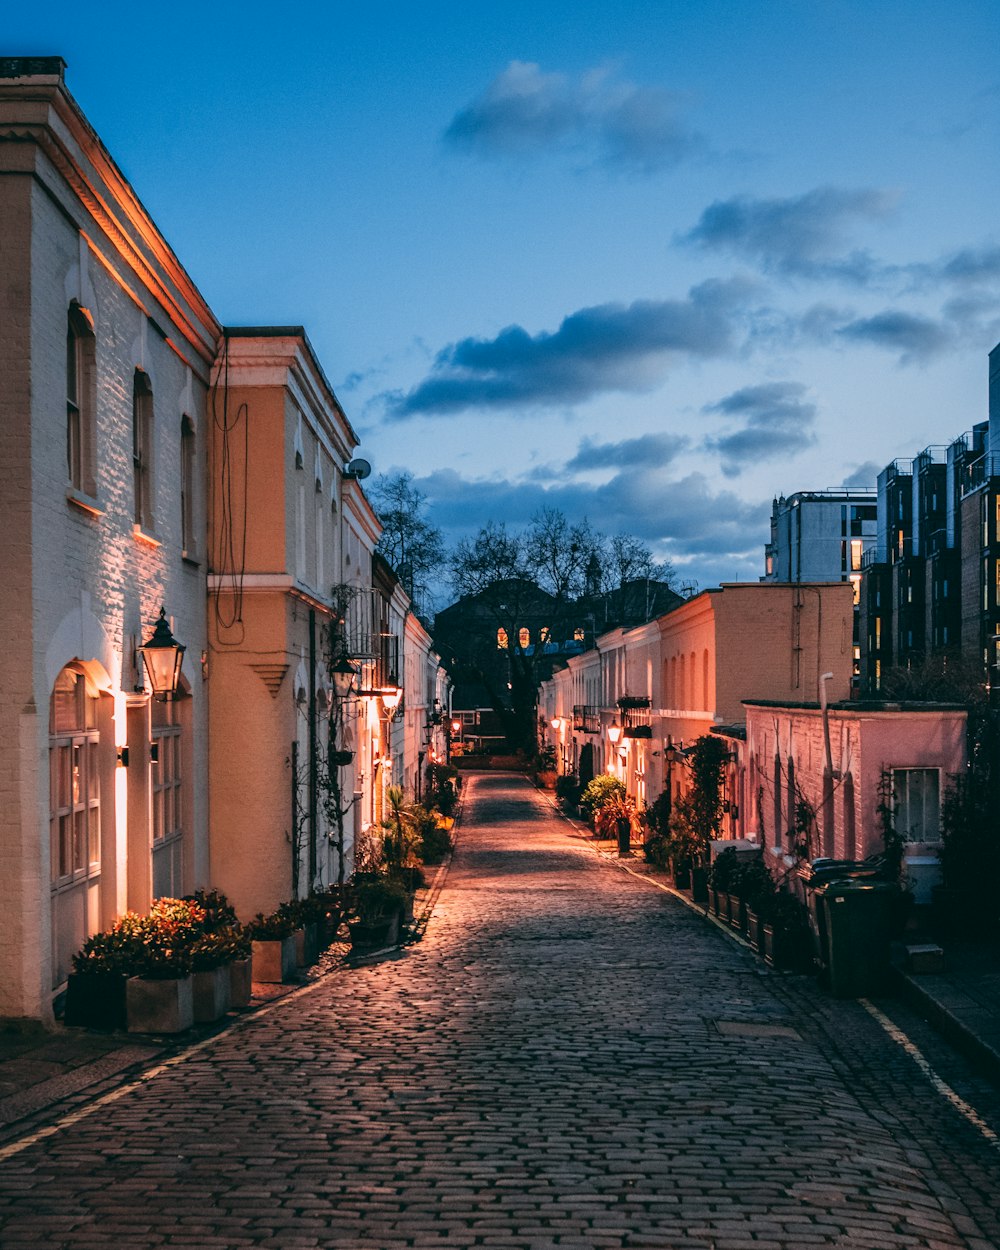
[{"x": 853, "y": 920}]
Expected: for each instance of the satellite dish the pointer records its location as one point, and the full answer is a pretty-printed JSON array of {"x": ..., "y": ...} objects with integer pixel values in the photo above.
[{"x": 358, "y": 469}]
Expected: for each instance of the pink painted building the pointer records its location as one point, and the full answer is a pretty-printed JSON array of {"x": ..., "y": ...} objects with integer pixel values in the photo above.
[{"x": 841, "y": 765}]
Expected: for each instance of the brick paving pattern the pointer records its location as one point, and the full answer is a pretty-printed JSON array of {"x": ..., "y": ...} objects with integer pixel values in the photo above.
[{"x": 570, "y": 1058}]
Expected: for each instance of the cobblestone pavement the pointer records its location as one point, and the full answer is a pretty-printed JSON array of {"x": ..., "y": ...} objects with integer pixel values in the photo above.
[{"x": 570, "y": 1058}]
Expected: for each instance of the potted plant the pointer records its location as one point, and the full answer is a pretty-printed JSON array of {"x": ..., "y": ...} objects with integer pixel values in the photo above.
[
  {"x": 375, "y": 909},
  {"x": 434, "y": 840},
  {"x": 159, "y": 997},
  {"x": 211, "y": 955},
  {"x": 568, "y": 793},
  {"x": 615, "y": 818},
  {"x": 756, "y": 887},
  {"x": 273, "y": 947},
  {"x": 597, "y": 793},
  {"x": 721, "y": 880},
  {"x": 95, "y": 992}
]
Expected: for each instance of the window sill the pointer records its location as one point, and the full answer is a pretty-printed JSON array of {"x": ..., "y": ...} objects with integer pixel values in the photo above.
[
  {"x": 190, "y": 558},
  {"x": 84, "y": 503},
  {"x": 140, "y": 535}
]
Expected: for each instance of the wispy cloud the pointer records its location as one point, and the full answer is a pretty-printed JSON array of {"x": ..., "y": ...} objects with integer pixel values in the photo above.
[
  {"x": 525, "y": 110},
  {"x": 610, "y": 347},
  {"x": 777, "y": 420},
  {"x": 916, "y": 338},
  {"x": 863, "y": 476},
  {"x": 804, "y": 236}
]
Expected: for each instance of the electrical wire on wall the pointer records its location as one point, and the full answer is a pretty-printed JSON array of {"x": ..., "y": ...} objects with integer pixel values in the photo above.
[{"x": 232, "y": 519}]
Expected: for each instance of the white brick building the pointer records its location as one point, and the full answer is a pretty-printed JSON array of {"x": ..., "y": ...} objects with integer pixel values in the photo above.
[{"x": 105, "y": 355}]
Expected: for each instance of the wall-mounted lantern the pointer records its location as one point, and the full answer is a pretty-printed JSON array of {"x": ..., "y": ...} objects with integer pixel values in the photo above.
[
  {"x": 614, "y": 733},
  {"x": 556, "y": 722},
  {"x": 391, "y": 694},
  {"x": 162, "y": 656},
  {"x": 344, "y": 676}
]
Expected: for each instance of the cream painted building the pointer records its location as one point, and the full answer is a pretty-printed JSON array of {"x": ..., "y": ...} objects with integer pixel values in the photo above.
[
  {"x": 291, "y": 552},
  {"x": 105, "y": 353},
  {"x": 668, "y": 682}
]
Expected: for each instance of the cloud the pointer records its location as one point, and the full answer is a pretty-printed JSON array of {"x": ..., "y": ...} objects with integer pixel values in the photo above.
[
  {"x": 682, "y": 519},
  {"x": 915, "y": 337},
  {"x": 610, "y": 347},
  {"x": 969, "y": 266},
  {"x": 863, "y": 476},
  {"x": 648, "y": 450},
  {"x": 525, "y": 110},
  {"x": 777, "y": 421},
  {"x": 801, "y": 236}
]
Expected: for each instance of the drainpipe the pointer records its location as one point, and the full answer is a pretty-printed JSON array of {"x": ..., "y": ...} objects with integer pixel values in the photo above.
[
  {"x": 824, "y": 711},
  {"x": 313, "y": 787}
]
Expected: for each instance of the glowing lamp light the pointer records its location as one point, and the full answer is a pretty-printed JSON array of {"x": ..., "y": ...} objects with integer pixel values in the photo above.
[
  {"x": 614, "y": 733},
  {"x": 556, "y": 722},
  {"x": 456, "y": 726},
  {"x": 391, "y": 694},
  {"x": 162, "y": 656}
]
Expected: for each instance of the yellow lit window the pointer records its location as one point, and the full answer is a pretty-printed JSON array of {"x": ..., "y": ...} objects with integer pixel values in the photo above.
[{"x": 502, "y": 641}]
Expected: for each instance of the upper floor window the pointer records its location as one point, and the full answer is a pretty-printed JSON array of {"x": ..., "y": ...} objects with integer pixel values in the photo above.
[
  {"x": 142, "y": 449},
  {"x": 189, "y": 537},
  {"x": 80, "y": 400}
]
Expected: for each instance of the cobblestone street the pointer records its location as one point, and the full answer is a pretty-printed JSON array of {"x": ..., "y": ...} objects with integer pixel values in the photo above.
[{"x": 570, "y": 1058}]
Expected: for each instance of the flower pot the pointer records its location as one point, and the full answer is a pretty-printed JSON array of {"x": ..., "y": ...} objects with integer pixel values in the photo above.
[
  {"x": 240, "y": 983},
  {"x": 682, "y": 876},
  {"x": 699, "y": 885},
  {"x": 736, "y": 912},
  {"x": 96, "y": 1000},
  {"x": 165, "y": 1006},
  {"x": 715, "y": 901},
  {"x": 274, "y": 960},
  {"x": 210, "y": 994},
  {"x": 753, "y": 929},
  {"x": 784, "y": 950}
]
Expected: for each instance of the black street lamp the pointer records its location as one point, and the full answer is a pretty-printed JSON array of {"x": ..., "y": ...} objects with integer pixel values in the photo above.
[{"x": 162, "y": 656}]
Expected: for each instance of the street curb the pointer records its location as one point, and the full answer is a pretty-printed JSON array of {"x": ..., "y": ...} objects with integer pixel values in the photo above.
[{"x": 951, "y": 1028}]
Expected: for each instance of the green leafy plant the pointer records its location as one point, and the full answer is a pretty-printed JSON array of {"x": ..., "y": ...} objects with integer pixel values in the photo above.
[
  {"x": 568, "y": 790},
  {"x": 220, "y": 947},
  {"x": 598, "y": 792},
  {"x": 371, "y": 901},
  {"x": 278, "y": 925},
  {"x": 617, "y": 808},
  {"x": 754, "y": 883},
  {"x": 724, "y": 871}
]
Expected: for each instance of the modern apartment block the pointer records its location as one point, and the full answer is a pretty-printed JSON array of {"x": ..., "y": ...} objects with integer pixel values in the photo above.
[
  {"x": 931, "y": 582},
  {"x": 822, "y": 536}
]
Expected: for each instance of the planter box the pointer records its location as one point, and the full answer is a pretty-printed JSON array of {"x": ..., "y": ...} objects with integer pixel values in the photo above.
[
  {"x": 96, "y": 1000},
  {"x": 754, "y": 925},
  {"x": 715, "y": 901},
  {"x": 736, "y": 912},
  {"x": 274, "y": 960},
  {"x": 682, "y": 876},
  {"x": 307, "y": 944},
  {"x": 159, "y": 1006},
  {"x": 784, "y": 951},
  {"x": 699, "y": 885},
  {"x": 210, "y": 994},
  {"x": 240, "y": 983},
  {"x": 374, "y": 934}
]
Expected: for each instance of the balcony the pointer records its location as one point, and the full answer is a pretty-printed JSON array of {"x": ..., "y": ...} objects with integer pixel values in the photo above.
[
  {"x": 586, "y": 718},
  {"x": 978, "y": 473},
  {"x": 637, "y": 721}
]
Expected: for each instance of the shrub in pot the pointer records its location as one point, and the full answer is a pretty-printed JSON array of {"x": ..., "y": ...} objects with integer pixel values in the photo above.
[
  {"x": 273, "y": 946},
  {"x": 375, "y": 909}
]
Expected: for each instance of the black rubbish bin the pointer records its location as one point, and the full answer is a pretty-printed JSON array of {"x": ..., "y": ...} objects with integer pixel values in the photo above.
[
  {"x": 853, "y": 918},
  {"x": 822, "y": 872}
]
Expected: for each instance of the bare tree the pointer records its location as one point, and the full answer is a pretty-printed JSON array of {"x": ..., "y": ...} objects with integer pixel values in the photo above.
[{"x": 412, "y": 546}]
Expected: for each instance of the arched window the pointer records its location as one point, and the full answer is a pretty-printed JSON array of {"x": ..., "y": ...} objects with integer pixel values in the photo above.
[
  {"x": 80, "y": 400},
  {"x": 503, "y": 642},
  {"x": 142, "y": 449},
  {"x": 523, "y": 637}
]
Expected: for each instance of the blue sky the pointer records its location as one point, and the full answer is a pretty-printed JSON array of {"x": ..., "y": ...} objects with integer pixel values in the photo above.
[{"x": 651, "y": 263}]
